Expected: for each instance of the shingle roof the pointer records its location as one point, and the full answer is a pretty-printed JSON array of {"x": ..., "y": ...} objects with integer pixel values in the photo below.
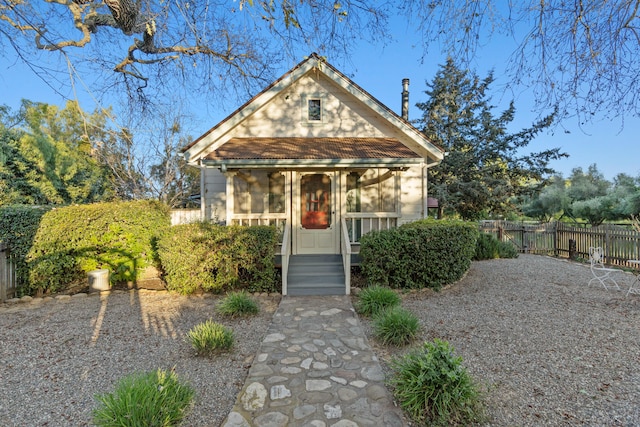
[{"x": 311, "y": 149}]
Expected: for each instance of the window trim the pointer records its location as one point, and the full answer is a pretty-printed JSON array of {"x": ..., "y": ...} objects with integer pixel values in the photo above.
[{"x": 305, "y": 107}]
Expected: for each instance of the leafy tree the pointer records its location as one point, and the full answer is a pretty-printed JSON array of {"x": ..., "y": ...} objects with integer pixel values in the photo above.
[
  {"x": 47, "y": 156},
  {"x": 550, "y": 200},
  {"x": 485, "y": 166},
  {"x": 587, "y": 196}
]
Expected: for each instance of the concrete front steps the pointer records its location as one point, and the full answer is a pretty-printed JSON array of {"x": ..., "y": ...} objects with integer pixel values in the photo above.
[{"x": 315, "y": 275}]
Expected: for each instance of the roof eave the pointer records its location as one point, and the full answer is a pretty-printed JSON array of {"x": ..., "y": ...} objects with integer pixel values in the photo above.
[{"x": 307, "y": 163}]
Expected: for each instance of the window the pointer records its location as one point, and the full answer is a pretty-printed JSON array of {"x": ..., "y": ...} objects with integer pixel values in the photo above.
[
  {"x": 314, "y": 110},
  {"x": 259, "y": 191},
  {"x": 371, "y": 190}
]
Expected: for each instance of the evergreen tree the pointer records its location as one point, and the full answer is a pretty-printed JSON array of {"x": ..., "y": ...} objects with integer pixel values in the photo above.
[{"x": 485, "y": 166}]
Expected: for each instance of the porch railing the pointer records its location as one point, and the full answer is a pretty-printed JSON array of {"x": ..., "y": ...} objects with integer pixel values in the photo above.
[
  {"x": 359, "y": 224},
  {"x": 346, "y": 255},
  {"x": 285, "y": 253}
]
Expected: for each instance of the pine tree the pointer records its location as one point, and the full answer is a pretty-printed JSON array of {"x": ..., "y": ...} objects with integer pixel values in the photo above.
[{"x": 485, "y": 166}]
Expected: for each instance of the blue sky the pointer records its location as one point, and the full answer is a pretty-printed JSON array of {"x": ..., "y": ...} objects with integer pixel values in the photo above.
[{"x": 612, "y": 145}]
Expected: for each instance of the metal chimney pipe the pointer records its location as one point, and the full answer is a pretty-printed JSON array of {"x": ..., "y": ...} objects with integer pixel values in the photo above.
[{"x": 405, "y": 99}]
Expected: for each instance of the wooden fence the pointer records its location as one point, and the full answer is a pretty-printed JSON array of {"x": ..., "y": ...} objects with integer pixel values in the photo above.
[
  {"x": 184, "y": 216},
  {"x": 7, "y": 274},
  {"x": 620, "y": 243}
]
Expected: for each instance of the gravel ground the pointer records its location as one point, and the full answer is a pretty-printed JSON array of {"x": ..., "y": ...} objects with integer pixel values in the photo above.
[
  {"x": 547, "y": 350},
  {"x": 55, "y": 355}
]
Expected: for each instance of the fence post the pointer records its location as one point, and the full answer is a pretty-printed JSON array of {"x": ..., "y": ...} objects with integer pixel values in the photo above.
[
  {"x": 572, "y": 249},
  {"x": 4, "y": 272}
]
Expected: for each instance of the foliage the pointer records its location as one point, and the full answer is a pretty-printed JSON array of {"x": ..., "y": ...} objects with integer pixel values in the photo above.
[
  {"x": 587, "y": 196},
  {"x": 237, "y": 304},
  {"x": 18, "y": 227},
  {"x": 212, "y": 257},
  {"x": 46, "y": 156},
  {"x": 485, "y": 167},
  {"x": 434, "y": 388},
  {"x": 374, "y": 299},
  {"x": 395, "y": 326},
  {"x": 489, "y": 247},
  {"x": 426, "y": 253},
  {"x": 163, "y": 46},
  {"x": 210, "y": 337},
  {"x": 74, "y": 240},
  {"x": 152, "y": 399}
]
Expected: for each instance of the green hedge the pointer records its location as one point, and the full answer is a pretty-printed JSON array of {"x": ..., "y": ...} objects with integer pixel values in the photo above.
[
  {"x": 425, "y": 253},
  {"x": 73, "y": 240},
  {"x": 205, "y": 256},
  {"x": 18, "y": 227}
]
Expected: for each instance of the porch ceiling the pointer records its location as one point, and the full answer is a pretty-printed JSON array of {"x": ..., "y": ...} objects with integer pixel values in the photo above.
[{"x": 309, "y": 150}]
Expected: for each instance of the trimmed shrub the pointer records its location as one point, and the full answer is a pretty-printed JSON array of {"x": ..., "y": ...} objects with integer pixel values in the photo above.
[
  {"x": 489, "y": 247},
  {"x": 74, "y": 240},
  {"x": 18, "y": 227},
  {"x": 153, "y": 399},
  {"x": 237, "y": 304},
  {"x": 210, "y": 337},
  {"x": 507, "y": 250},
  {"x": 396, "y": 326},
  {"x": 425, "y": 253},
  {"x": 434, "y": 388},
  {"x": 374, "y": 299},
  {"x": 213, "y": 258}
]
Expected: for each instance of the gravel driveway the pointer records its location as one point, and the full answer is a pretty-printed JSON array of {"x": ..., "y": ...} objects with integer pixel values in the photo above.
[{"x": 548, "y": 350}]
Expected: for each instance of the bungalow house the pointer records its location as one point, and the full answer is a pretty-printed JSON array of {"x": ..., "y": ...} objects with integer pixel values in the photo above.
[{"x": 318, "y": 157}]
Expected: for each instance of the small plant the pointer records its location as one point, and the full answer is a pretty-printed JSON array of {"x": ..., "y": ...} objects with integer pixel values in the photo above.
[
  {"x": 151, "y": 399},
  {"x": 237, "y": 304},
  {"x": 210, "y": 337},
  {"x": 434, "y": 388},
  {"x": 396, "y": 326},
  {"x": 507, "y": 250},
  {"x": 375, "y": 299},
  {"x": 487, "y": 247}
]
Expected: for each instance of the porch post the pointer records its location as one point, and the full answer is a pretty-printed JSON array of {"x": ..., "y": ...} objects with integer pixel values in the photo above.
[{"x": 230, "y": 199}]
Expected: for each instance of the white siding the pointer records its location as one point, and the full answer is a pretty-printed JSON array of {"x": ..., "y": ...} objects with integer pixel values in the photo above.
[{"x": 411, "y": 194}]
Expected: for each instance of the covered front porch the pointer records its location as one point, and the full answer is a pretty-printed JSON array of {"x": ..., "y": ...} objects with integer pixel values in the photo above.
[{"x": 321, "y": 214}]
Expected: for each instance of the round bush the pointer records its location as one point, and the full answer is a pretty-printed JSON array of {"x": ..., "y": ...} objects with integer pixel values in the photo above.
[
  {"x": 237, "y": 304},
  {"x": 396, "y": 326},
  {"x": 374, "y": 299},
  {"x": 434, "y": 388},
  {"x": 210, "y": 337},
  {"x": 153, "y": 399}
]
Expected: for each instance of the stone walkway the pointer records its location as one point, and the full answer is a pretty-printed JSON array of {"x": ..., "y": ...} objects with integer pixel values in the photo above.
[{"x": 315, "y": 368}]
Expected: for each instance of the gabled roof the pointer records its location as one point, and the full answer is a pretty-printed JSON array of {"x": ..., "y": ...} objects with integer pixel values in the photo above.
[{"x": 420, "y": 143}]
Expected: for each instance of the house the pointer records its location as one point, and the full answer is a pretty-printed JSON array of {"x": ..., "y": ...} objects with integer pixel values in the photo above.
[{"x": 318, "y": 157}]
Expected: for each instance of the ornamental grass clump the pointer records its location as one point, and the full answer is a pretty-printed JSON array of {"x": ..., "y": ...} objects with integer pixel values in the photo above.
[
  {"x": 237, "y": 304},
  {"x": 375, "y": 299},
  {"x": 210, "y": 337},
  {"x": 395, "y": 326},
  {"x": 151, "y": 399},
  {"x": 434, "y": 388}
]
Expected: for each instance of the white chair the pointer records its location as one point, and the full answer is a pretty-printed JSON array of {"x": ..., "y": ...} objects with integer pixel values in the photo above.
[{"x": 600, "y": 272}]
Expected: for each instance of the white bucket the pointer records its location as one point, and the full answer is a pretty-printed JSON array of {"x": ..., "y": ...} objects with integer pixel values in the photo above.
[{"x": 99, "y": 280}]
